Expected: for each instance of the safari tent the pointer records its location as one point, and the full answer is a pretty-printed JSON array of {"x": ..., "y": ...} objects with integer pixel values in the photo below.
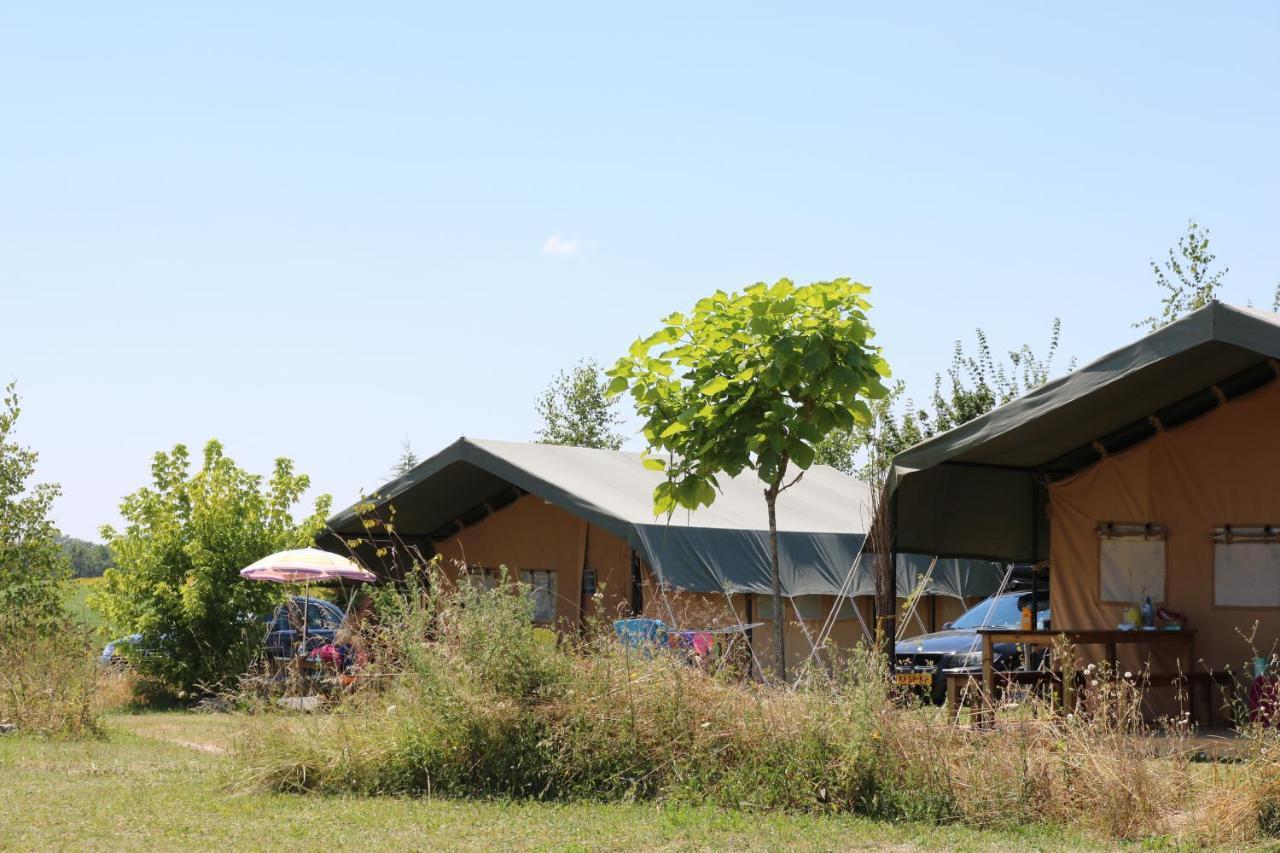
[
  {"x": 578, "y": 526},
  {"x": 1151, "y": 471}
]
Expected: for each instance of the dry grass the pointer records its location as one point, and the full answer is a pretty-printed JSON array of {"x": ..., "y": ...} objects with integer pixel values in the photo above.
[
  {"x": 471, "y": 705},
  {"x": 48, "y": 682},
  {"x": 145, "y": 789}
]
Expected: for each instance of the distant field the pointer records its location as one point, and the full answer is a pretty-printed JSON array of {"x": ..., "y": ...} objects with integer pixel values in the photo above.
[
  {"x": 77, "y": 595},
  {"x": 165, "y": 781}
]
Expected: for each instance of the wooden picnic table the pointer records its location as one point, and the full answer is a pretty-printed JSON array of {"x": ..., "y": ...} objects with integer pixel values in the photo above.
[{"x": 1111, "y": 639}]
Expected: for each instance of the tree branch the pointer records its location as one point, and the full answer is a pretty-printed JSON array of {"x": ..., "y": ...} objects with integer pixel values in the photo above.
[{"x": 792, "y": 483}]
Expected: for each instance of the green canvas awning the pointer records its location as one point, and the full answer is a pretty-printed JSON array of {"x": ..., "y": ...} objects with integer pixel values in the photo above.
[{"x": 977, "y": 490}]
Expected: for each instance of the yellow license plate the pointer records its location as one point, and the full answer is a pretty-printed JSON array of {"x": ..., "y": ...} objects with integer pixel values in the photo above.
[{"x": 913, "y": 679}]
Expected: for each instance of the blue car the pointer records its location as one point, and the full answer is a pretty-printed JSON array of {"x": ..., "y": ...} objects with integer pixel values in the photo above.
[
  {"x": 957, "y": 649},
  {"x": 110, "y": 652},
  {"x": 283, "y": 629},
  {"x": 284, "y": 635}
]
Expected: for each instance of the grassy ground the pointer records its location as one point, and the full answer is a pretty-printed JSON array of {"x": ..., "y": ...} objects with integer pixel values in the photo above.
[
  {"x": 162, "y": 780},
  {"x": 78, "y": 592}
]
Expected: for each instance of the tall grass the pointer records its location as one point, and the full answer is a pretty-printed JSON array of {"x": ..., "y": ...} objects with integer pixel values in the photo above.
[
  {"x": 48, "y": 680},
  {"x": 464, "y": 700}
]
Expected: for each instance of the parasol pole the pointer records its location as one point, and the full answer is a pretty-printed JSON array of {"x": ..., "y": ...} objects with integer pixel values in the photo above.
[{"x": 306, "y": 605}]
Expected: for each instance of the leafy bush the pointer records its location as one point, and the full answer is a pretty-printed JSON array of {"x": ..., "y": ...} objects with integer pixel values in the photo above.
[{"x": 178, "y": 560}]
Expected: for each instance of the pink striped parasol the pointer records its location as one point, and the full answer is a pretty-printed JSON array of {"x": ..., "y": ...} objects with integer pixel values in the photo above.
[{"x": 303, "y": 565}]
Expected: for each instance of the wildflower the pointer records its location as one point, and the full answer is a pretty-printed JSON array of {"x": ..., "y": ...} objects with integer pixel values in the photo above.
[
  {"x": 1128, "y": 674},
  {"x": 1093, "y": 683}
]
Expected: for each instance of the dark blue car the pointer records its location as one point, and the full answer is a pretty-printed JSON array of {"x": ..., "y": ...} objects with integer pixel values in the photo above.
[
  {"x": 957, "y": 649},
  {"x": 283, "y": 629},
  {"x": 285, "y": 633}
]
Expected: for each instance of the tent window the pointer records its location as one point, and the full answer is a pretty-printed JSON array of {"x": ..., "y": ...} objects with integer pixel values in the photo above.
[
  {"x": 1131, "y": 562},
  {"x": 1246, "y": 567},
  {"x": 541, "y": 584},
  {"x": 542, "y": 591}
]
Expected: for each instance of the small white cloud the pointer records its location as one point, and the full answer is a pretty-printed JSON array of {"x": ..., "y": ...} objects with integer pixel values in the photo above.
[{"x": 557, "y": 245}]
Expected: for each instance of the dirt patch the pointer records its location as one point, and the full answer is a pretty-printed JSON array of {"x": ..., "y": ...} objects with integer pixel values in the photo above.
[{"x": 202, "y": 732}]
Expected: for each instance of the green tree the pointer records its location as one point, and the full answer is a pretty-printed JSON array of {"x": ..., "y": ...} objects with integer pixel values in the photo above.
[
  {"x": 407, "y": 461},
  {"x": 974, "y": 385},
  {"x": 87, "y": 559},
  {"x": 178, "y": 560},
  {"x": 839, "y": 449},
  {"x": 752, "y": 380},
  {"x": 576, "y": 411},
  {"x": 1187, "y": 278},
  {"x": 32, "y": 566}
]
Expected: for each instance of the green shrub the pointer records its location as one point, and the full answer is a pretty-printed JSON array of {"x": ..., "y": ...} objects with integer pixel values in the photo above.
[
  {"x": 33, "y": 569},
  {"x": 177, "y": 575}
]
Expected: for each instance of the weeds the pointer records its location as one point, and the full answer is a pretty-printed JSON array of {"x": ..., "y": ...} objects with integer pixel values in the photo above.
[
  {"x": 464, "y": 700},
  {"x": 48, "y": 681}
]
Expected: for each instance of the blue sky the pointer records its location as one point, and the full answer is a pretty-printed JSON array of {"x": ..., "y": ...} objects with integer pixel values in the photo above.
[{"x": 316, "y": 229}]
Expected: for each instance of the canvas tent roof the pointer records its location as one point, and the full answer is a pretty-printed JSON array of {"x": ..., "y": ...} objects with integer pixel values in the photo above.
[
  {"x": 972, "y": 491},
  {"x": 822, "y": 520}
]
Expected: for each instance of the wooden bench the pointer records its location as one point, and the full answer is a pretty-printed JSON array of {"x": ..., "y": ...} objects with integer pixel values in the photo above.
[
  {"x": 959, "y": 683},
  {"x": 1194, "y": 683}
]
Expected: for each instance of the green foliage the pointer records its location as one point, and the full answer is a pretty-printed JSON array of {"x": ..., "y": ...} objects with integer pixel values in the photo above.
[
  {"x": 32, "y": 566},
  {"x": 575, "y": 410},
  {"x": 406, "y": 462},
  {"x": 975, "y": 384},
  {"x": 178, "y": 559},
  {"x": 87, "y": 559},
  {"x": 1187, "y": 278},
  {"x": 839, "y": 449},
  {"x": 751, "y": 381}
]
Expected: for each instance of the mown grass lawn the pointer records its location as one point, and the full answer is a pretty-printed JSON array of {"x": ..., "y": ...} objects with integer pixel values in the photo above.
[{"x": 164, "y": 780}]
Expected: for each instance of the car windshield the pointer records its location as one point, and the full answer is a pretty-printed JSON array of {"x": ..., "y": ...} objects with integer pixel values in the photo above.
[
  {"x": 320, "y": 616},
  {"x": 1001, "y": 611}
]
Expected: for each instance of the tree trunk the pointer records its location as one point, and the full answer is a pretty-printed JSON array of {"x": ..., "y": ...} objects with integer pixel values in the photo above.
[
  {"x": 886, "y": 575},
  {"x": 779, "y": 623}
]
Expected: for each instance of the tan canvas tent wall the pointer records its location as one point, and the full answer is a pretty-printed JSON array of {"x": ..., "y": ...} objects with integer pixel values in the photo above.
[
  {"x": 1220, "y": 469},
  {"x": 533, "y": 535},
  {"x": 1170, "y": 436}
]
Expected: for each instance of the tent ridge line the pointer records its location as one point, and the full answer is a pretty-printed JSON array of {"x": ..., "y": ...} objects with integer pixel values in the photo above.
[{"x": 1202, "y": 326}]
